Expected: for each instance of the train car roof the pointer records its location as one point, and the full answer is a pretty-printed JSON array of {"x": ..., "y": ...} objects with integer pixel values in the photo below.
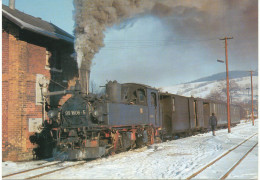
[
  {"x": 219, "y": 102},
  {"x": 197, "y": 98},
  {"x": 170, "y": 94}
]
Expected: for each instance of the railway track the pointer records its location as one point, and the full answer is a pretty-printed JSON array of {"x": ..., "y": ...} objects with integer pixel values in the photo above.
[
  {"x": 240, "y": 160},
  {"x": 43, "y": 169},
  {"x": 26, "y": 175},
  {"x": 28, "y": 170},
  {"x": 224, "y": 175}
]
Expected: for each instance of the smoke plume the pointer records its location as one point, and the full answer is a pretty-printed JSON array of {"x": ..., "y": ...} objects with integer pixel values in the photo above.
[
  {"x": 91, "y": 19},
  {"x": 200, "y": 18}
]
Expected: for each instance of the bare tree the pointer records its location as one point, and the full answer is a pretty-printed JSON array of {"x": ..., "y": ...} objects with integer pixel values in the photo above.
[
  {"x": 216, "y": 95},
  {"x": 220, "y": 91},
  {"x": 233, "y": 89}
]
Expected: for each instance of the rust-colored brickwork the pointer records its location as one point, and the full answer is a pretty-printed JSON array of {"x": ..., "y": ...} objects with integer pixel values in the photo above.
[
  {"x": 5, "y": 89},
  {"x": 5, "y": 97},
  {"x": 5, "y": 52},
  {"x": 22, "y": 60}
]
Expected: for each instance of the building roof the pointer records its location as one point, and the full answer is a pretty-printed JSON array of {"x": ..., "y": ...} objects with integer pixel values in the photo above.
[{"x": 34, "y": 24}]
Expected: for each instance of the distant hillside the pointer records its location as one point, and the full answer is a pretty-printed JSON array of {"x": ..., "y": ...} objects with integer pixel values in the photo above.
[
  {"x": 204, "y": 89},
  {"x": 222, "y": 76}
]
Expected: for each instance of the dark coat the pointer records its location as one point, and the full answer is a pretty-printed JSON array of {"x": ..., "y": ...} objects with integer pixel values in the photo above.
[{"x": 213, "y": 121}]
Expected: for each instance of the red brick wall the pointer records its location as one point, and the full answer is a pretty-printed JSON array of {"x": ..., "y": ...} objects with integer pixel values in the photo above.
[
  {"x": 5, "y": 52},
  {"x": 5, "y": 89},
  {"x": 5, "y": 97},
  {"x": 37, "y": 60},
  {"x": 21, "y": 62}
]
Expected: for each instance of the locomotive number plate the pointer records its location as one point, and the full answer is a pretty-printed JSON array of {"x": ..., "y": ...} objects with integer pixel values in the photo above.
[{"x": 75, "y": 113}]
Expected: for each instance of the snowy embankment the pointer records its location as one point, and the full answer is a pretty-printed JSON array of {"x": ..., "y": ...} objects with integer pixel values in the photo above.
[
  {"x": 203, "y": 89},
  {"x": 173, "y": 159}
]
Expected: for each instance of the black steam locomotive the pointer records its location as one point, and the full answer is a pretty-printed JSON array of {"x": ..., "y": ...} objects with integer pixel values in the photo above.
[
  {"x": 87, "y": 126},
  {"x": 129, "y": 115}
]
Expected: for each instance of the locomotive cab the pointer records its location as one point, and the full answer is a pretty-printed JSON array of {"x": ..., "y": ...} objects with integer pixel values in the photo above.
[{"x": 135, "y": 104}]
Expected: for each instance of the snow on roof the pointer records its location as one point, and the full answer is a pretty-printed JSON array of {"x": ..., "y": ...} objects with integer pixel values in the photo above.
[{"x": 37, "y": 25}]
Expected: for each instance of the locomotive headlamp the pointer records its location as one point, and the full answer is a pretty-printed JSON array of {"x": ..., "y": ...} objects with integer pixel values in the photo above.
[
  {"x": 95, "y": 113},
  {"x": 52, "y": 114}
]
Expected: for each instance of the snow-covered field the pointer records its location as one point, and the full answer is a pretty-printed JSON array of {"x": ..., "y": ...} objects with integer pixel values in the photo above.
[
  {"x": 203, "y": 89},
  {"x": 176, "y": 159}
]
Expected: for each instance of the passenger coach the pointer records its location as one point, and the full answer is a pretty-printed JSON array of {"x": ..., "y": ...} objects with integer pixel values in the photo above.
[{"x": 186, "y": 115}]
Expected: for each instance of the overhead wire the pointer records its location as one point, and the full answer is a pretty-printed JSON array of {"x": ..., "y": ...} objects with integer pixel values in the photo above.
[
  {"x": 130, "y": 44},
  {"x": 122, "y": 44}
]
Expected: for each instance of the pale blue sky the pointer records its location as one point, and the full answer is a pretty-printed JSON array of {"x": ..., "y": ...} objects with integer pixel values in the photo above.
[
  {"x": 158, "y": 52},
  {"x": 59, "y": 12}
]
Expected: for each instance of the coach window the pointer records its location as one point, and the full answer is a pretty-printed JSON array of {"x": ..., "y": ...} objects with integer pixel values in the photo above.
[
  {"x": 173, "y": 104},
  {"x": 153, "y": 99}
]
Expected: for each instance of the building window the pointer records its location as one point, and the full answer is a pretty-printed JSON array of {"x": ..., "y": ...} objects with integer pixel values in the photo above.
[
  {"x": 48, "y": 55},
  {"x": 53, "y": 61}
]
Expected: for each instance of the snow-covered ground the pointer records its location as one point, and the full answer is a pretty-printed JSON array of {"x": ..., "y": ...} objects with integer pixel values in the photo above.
[
  {"x": 203, "y": 89},
  {"x": 176, "y": 159}
]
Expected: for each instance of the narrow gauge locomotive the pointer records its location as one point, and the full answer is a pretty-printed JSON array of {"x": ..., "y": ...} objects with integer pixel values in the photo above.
[
  {"x": 91, "y": 127},
  {"x": 130, "y": 115}
]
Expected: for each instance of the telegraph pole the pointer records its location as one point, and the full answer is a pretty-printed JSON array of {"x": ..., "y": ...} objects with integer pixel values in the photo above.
[
  {"x": 228, "y": 102},
  {"x": 253, "y": 121}
]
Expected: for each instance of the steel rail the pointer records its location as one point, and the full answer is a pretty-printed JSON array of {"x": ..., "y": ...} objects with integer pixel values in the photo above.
[
  {"x": 210, "y": 164},
  {"x": 226, "y": 175},
  {"x": 31, "y": 169},
  {"x": 49, "y": 172}
]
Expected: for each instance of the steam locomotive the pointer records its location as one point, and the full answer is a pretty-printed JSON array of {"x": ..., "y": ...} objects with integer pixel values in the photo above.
[{"x": 129, "y": 116}]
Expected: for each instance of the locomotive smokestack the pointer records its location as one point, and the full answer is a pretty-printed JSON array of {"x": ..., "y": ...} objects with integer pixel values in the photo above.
[
  {"x": 84, "y": 76},
  {"x": 12, "y": 4}
]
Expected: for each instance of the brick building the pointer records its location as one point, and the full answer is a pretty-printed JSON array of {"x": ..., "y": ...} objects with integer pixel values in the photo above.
[{"x": 33, "y": 52}]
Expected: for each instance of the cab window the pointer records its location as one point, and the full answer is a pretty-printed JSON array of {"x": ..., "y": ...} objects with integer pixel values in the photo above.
[
  {"x": 124, "y": 93},
  {"x": 153, "y": 99},
  {"x": 141, "y": 95}
]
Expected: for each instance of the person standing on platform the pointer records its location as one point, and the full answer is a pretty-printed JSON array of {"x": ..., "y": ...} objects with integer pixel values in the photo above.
[{"x": 213, "y": 122}]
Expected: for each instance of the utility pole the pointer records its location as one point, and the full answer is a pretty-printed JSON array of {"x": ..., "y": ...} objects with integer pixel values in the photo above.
[
  {"x": 228, "y": 101},
  {"x": 253, "y": 121}
]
